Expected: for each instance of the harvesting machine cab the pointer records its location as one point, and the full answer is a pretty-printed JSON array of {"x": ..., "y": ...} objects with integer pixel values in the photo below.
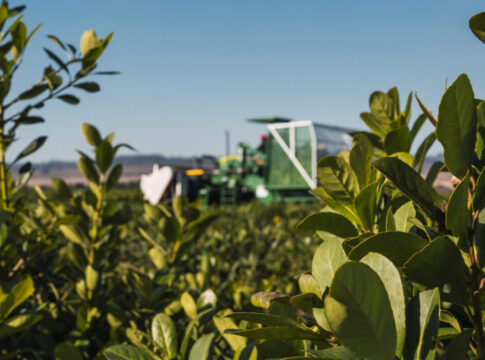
[{"x": 282, "y": 168}]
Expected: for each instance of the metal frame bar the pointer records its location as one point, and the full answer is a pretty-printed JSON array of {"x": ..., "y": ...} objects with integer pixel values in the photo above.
[{"x": 291, "y": 154}]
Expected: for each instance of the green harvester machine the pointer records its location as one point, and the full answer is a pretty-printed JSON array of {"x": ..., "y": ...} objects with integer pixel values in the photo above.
[{"x": 282, "y": 168}]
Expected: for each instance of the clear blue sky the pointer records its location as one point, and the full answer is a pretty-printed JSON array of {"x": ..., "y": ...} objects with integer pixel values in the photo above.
[{"x": 192, "y": 69}]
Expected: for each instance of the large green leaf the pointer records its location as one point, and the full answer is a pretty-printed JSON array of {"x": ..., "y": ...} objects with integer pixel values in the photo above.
[
  {"x": 189, "y": 305},
  {"x": 104, "y": 156},
  {"x": 86, "y": 167},
  {"x": 164, "y": 334},
  {"x": 366, "y": 205},
  {"x": 422, "y": 319},
  {"x": 398, "y": 140},
  {"x": 203, "y": 348},
  {"x": 391, "y": 279},
  {"x": 338, "y": 179},
  {"x": 222, "y": 324},
  {"x": 457, "y": 125},
  {"x": 397, "y": 246},
  {"x": 359, "y": 312},
  {"x": 458, "y": 215},
  {"x": 477, "y": 25},
  {"x": 126, "y": 352},
  {"x": 330, "y": 222},
  {"x": 410, "y": 183},
  {"x": 361, "y": 159},
  {"x": 347, "y": 210},
  {"x": 327, "y": 259},
  {"x": 431, "y": 267},
  {"x": 17, "y": 295}
]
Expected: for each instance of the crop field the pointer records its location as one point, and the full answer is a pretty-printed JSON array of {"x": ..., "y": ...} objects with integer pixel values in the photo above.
[{"x": 383, "y": 264}]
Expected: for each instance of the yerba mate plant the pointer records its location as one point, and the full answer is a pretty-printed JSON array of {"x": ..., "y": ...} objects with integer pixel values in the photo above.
[{"x": 400, "y": 272}]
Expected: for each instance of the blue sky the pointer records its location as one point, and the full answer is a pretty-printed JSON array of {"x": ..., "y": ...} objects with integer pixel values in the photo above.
[{"x": 193, "y": 69}]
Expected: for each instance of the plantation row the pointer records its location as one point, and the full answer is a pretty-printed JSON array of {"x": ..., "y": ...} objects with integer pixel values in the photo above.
[{"x": 394, "y": 272}]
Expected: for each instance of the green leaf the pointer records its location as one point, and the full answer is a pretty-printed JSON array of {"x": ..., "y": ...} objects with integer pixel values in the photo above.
[
  {"x": 263, "y": 299},
  {"x": 61, "y": 188},
  {"x": 222, "y": 324},
  {"x": 91, "y": 134},
  {"x": 361, "y": 159},
  {"x": 89, "y": 41},
  {"x": 431, "y": 267},
  {"x": 17, "y": 324},
  {"x": 164, "y": 334},
  {"x": 335, "y": 353},
  {"x": 458, "y": 348},
  {"x": 366, "y": 204},
  {"x": 203, "y": 348},
  {"x": 126, "y": 352},
  {"x": 395, "y": 245},
  {"x": 74, "y": 233},
  {"x": 34, "y": 91},
  {"x": 249, "y": 352},
  {"x": 479, "y": 194},
  {"x": 264, "y": 319},
  {"x": 330, "y": 222},
  {"x": 31, "y": 148},
  {"x": 189, "y": 305},
  {"x": 91, "y": 86},
  {"x": 308, "y": 284},
  {"x": 114, "y": 176},
  {"x": 57, "y": 41},
  {"x": 403, "y": 213},
  {"x": 19, "y": 293},
  {"x": 338, "y": 179},
  {"x": 56, "y": 59},
  {"x": 70, "y": 99},
  {"x": 86, "y": 167},
  {"x": 458, "y": 215},
  {"x": 359, "y": 312},
  {"x": 422, "y": 151},
  {"x": 347, "y": 210},
  {"x": 29, "y": 120},
  {"x": 391, "y": 279},
  {"x": 398, "y": 140},
  {"x": 480, "y": 143},
  {"x": 67, "y": 351},
  {"x": 280, "y": 333},
  {"x": 92, "y": 277},
  {"x": 422, "y": 320},
  {"x": 457, "y": 125},
  {"x": 143, "y": 341},
  {"x": 477, "y": 25},
  {"x": 104, "y": 156},
  {"x": 327, "y": 259},
  {"x": 410, "y": 183}
]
